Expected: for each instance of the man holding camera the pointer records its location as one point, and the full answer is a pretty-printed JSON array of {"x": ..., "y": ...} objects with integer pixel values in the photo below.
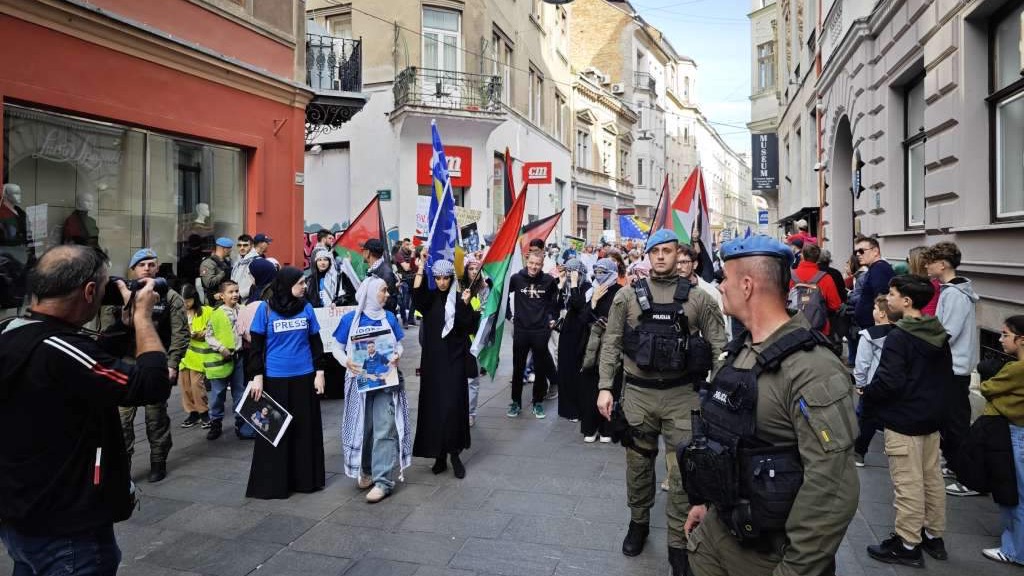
[
  {"x": 664, "y": 332},
  {"x": 173, "y": 330},
  {"x": 64, "y": 473}
]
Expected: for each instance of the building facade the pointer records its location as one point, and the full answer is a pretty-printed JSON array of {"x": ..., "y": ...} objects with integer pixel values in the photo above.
[
  {"x": 602, "y": 159},
  {"x": 493, "y": 75},
  {"x": 764, "y": 102},
  {"x": 923, "y": 136},
  {"x": 129, "y": 124}
]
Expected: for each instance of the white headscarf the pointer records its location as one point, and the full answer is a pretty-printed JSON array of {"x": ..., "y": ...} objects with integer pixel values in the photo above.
[{"x": 367, "y": 304}]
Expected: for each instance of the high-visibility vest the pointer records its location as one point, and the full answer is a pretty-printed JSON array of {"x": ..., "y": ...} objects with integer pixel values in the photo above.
[
  {"x": 223, "y": 330},
  {"x": 199, "y": 352}
]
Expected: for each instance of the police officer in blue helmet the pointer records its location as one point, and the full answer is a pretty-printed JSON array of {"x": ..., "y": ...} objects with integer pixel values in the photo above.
[
  {"x": 779, "y": 411},
  {"x": 664, "y": 334}
]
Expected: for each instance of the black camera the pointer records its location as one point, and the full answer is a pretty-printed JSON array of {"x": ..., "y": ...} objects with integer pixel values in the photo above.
[{"x": 112, "y": 296}]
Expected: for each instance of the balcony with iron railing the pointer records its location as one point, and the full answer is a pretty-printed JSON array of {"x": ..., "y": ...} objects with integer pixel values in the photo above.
[
  {"x": 644, "y": 81},
  {"x": 334, "y": 71},
  {"x": 456, "y": 92}
]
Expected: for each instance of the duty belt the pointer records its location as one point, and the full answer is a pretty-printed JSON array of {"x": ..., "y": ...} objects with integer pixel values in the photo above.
[{"x": 656, "y": 383}]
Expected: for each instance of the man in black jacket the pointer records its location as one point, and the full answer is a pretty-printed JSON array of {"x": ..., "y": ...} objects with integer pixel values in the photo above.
[
  {"x": 373, "y": 253},
  {"x": 534, "y": 309},
  {"x": 907, "y": 397},
  {"x": 64, "y": 473}
]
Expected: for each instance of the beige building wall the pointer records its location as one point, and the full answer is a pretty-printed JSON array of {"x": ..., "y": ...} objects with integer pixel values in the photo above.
[{"x": 905, "y": 55}]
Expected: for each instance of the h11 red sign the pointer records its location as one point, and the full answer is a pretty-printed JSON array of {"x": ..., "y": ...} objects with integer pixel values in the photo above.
[
  {"x": 537, "y": 172},
  {"x": 460, "y": 165}
]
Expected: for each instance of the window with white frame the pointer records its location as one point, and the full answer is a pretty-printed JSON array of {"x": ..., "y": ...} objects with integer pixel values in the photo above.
[
  {"x": 583, "y": 148},
  {"x": 913, "y": 152},
  {"x": 766, "y": 66},
  {"x": 442, "y": 39},
  {"x": 1006, "y": 99},
  {"x": 582, "y": 220},
  {"x": 623, "y": 161},
  {"x": 561, "y": 117},
  {"x": 502, "y": 63},
  {"x": 536, "y": 97},
  {"x": 639, "y": 171}
]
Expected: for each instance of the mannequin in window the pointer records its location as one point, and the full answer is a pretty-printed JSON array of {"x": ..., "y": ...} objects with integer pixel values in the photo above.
[
  {"x": 80, "y": 227},
  {"x": 199, "y": 226},
  {"x": 12, "y": 217}
]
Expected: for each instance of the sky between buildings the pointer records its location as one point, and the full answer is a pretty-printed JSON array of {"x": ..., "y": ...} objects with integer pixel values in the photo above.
[{"x": 716, "y": 34}]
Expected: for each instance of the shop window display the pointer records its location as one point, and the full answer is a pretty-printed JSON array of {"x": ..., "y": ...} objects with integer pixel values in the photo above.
[{"x": 69, "y": 180}]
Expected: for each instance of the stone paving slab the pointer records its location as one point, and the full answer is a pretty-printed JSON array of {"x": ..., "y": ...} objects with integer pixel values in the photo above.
[{"x": 536, "y": 501}]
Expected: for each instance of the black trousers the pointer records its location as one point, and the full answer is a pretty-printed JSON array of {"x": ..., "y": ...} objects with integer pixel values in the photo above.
[
  {"x": 958, "y": 419},
  {"x": 543, "y": 365},
  {"x": 868, "y": 426}
]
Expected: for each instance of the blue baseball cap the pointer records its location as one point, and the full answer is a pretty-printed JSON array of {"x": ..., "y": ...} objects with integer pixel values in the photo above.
[
  {"x": 143, "y": 254},
  {"x": 660, "y": 237},
  {"x": 225, "y": 242},
  {"x": 756, "y": 245}
]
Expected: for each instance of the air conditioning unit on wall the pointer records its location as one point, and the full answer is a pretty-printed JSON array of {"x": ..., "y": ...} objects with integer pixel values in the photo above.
[{"x": 618, "y": 88}]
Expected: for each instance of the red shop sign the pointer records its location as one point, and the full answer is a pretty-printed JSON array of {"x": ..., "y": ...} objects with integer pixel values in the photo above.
[
  {"x": 537, "y": 172},
  {"x": 460, "y": 165}
]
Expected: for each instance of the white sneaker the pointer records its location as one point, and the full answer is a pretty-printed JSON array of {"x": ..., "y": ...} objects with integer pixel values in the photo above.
[
  {"x": 664, "y": 485},
  {"x": 365, "y": 482},
  {"x": 376, "y": 495},
  {"x": 606, "y": 439},
  {"x": 590, "y": 439},
  {"x": 472, "y": 421},
  {"x": 997, "y": 555}
]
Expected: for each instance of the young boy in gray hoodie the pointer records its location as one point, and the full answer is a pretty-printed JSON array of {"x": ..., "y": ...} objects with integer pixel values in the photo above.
[
  {"x": 956, "y": 312},
  {"x": 868, "y": 357}
]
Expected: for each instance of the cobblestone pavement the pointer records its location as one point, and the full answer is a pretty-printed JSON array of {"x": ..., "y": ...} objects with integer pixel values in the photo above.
[{"x": 536, "y": 501}]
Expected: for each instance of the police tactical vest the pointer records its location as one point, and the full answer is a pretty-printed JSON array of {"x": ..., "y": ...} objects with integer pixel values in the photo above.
[
  {"x": 751, "y": 482},
  {"x": 662, "y": 341}
]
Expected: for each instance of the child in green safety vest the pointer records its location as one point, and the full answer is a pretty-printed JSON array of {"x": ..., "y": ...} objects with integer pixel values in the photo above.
[
  {"x": 224, "y": 337},
  {"x": 192, "y": 369}
]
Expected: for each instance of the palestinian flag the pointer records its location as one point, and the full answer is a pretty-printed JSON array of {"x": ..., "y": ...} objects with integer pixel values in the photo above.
[
  {"x": 539, "y": 229},
  {"x": 349, "y": 247},
  {"x": 663, "y": 212},
  {"x": 502, "y": 258},
  {"x": 686, "y": 207},
  {"x": 703, "y": 230}
]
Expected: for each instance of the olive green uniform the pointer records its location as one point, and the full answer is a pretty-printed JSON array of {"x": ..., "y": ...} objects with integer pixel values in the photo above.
[
  {"x": 158, "y": 423},
  {"x": 827, "y": 499},
  {"x": 654, "y": 411}
]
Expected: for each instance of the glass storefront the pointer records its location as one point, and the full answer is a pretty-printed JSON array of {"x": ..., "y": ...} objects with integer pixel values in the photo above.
[{"x": 74, "y": 181}]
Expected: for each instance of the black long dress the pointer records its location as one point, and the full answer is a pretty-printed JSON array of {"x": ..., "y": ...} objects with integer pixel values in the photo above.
[
  {"x": 442, "y": 423},
  {"x": 572, "y": 342},
  {"x": 591, "y": 422}
]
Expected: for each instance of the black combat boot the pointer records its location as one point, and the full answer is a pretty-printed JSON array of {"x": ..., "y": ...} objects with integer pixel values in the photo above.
[
  {"x": 157, "y": 471},
  {"x": 633, "y": 543},
  {"x": 677, "y": 560},
  {"x": 457, "y": 466}
]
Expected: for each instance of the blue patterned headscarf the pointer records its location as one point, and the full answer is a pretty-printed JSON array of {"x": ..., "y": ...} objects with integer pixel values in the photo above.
[{"x": 606, "y": 271}]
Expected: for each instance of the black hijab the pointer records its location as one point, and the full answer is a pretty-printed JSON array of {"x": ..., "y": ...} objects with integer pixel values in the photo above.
[{"x": 281, "y": 299}]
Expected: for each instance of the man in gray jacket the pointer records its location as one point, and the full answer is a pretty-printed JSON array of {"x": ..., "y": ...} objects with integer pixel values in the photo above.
[{"x": 956, "y": 312}]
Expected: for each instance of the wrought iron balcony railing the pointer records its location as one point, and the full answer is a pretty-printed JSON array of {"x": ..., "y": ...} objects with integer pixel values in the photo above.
[
  {"x": 334, "y": 63},
  {"x": 644, "y": 81},
  {"x": 448, "y": 90}
]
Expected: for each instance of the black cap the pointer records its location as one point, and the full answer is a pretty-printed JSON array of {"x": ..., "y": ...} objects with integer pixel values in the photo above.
[{"x": 374, "y": 246}]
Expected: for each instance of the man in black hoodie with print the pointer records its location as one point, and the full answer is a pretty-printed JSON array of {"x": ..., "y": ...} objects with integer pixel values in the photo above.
[
  {"x": 64, "y": 474},
  {"x": 534, "y": 309}
]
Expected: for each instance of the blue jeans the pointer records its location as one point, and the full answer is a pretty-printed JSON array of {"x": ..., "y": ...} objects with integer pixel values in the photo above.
[
  {"x": 1012, "y": 542},
  {"x": 90, "y": 553},
  {"x": 218, "y": 394},
  {"x": 380, "y": 439}
]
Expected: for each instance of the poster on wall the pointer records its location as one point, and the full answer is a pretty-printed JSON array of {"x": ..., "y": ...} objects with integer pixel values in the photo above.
[{"x": 764, "y": 171}]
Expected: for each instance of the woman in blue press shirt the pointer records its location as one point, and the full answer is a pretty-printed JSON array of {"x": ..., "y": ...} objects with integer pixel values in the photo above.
[{"x": 287, "y": 363}]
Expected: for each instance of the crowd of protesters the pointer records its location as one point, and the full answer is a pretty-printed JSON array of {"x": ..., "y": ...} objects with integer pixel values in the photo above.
[{"x": 908, "y": 333}]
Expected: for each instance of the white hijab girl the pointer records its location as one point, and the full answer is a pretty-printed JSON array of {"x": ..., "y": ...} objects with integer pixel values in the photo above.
[{"x": 370, "y": 297}]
